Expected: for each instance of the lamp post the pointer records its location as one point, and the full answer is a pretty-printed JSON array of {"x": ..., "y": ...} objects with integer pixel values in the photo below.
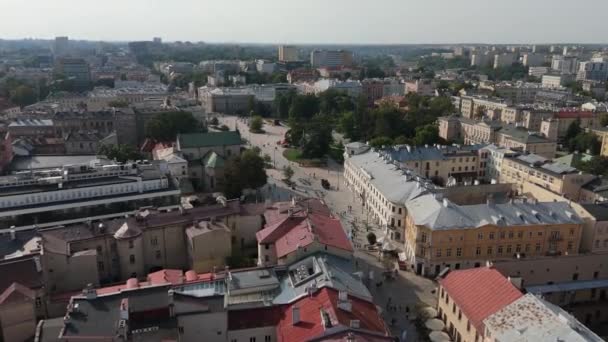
[{"x": 274, "y": 158}]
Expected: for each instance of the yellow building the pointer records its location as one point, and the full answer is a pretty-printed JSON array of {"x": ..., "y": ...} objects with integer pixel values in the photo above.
[
  {"x": 558, "y": 178},
  {"x": 440, "y": 234}
]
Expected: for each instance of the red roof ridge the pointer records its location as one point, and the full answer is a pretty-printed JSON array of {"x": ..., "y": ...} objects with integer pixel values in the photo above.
[{"x": 17, "y": 288}]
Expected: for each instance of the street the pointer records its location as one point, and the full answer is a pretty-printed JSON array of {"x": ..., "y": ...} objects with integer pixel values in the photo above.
[{"x": 393, "y": 296}]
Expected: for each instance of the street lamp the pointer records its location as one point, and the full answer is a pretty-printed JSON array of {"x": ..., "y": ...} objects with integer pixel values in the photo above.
[{"x": 274, "y": 158}]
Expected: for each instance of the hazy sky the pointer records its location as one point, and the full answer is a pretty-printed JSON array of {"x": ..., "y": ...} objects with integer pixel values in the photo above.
[{"x": 310, "y": 21}]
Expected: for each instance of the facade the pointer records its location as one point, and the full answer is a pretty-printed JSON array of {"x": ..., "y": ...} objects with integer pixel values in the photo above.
[
  {"x": 236, "y": 100},
  {"x": 504, "y": 60},
  {"x": 534, "y": 60},
  {"x": 551, "y": 81},
  {"x": 87, "y": 142},
  {"x": 558, "y": 178},
  {"x": 288, "y": 53},
  {"x": 441, "y": 234},
  {"x": 567, "y": 65},
  {"x": 594, "y": 70},
  {"x": 538, "y": 71},
  {"x": 99, "y": 187},
  {"x": 420, "y": 87},
  {"x": 18, "y": 313},
  {"x": 209, "y": 245},
  {"x": 75, "y": 69},
  {"x": 472, "y": 106},
  {"x": 331, "y": 58},
  {"x": 61, "y": 46},
  {"x": 493, "y": 163}
]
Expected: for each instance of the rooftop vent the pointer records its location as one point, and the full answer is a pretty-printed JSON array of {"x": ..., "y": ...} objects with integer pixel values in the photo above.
[{"x": 295, "y": 315}]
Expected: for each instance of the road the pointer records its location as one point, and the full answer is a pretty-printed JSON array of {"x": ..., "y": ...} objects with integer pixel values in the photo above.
[{"x": 407, "y": 290}]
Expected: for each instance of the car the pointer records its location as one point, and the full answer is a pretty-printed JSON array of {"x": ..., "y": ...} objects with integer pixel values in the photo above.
[{"x": 325, "y": 184}]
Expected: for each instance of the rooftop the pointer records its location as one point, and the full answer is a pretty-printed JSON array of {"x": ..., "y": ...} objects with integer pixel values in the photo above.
[
  {"x": 417, "y": 153},
  {"x": 439, "y": 214},
  {"x": 532, "y": 319},
  {"x": 479, "y": 293},
  {"x": 545, "y": 165},
  {"x": 598, "y": 210},
  {"x": 31, "y": 122},
  {"x": 522, "y": 135}
]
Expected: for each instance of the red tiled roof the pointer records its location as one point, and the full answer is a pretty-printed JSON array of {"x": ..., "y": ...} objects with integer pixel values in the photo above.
[
  {"x": 253, "y": 318},
  {"x": 573, "y": 114},
  {"x": 174, "y": 277},
  {"x": 479, "y": 292},
  {"x": 17, "y": 288},
  {"x": 311, "y": 325}
]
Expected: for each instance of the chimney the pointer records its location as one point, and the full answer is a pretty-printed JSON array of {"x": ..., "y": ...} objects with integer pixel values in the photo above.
[
  {"x": 89, "y": 292},
  {"x": 295, "y": 315},
  {"x": 13, "y": 233},
  {"x": 343, "y": 302}
]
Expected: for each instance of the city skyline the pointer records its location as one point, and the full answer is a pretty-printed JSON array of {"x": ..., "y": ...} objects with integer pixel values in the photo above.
[{"x": 391, "y": 22}]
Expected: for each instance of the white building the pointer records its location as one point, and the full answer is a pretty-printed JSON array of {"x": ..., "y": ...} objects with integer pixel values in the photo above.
[
  {"x": 555, "y": 81},
  {"x": 567, "y": 65},
  {"x": 594, "y": 70},
  {"x": 494, "y": 158},
  {"x": 352, "y": 88},
  {"x": 265, "y": 67},
  {"x": 504, "y": 60},
  {"x": 538, "y": 71}
]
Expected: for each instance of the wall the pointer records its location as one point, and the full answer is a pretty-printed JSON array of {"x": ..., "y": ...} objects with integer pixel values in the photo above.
[
  {"x": 18, "y": 319},
  {"x": 246, "y": 335},
  {"x": 210, "y": 327},
  {"x": 68, "y": 273},
  {"x": 209, "y": 250},
  {"x": 449, "y": 313},
  {"x": 128, "y": 269}
]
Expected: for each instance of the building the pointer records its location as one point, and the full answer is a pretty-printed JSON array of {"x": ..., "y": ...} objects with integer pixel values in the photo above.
[
  {"x": 564, "y": 118},
  {"x": 18, "y": 313},
  {"x": 493, "y": 132},
  {"x": 504, "y": 60},
  {"x": 265, "y": 67},
  {"x": 75, "y": 70},
  {"x": 372, "y": 89},
  {"x": 351, "y": 88},
  {"x": 302, "y": 75},
  {"x": 420, "y": 87},
  {"x": 553, "y": 176},
  {"x": 567, "y": 65},
  {"x": 236, "y": 100},
  {"x": 207, "y": 154},
  {"x": 297, "y": 229},
  {"x": 483, "y": 305},
  {"x": 48, "y": 195},
  {"x": 331, "y": 58},
  {"x": 538, "y": 71},
  {"x": 87, "y": 142},
  {"x": 594, "y": 70},
  {"x": 288, "y": 53},
  {"x": 556, "y": 81},
  {"x": 597, "y": 89},
  {"x": 493, "y": 161},
  {"x": 61, "y": 46},
  {"x": 534, "y": 59},
  {"x": 519, "y": 92},
  {"x": 440, "y": 233},
  {"x": 116, "y": 249},
  {"x": 476, "y": 105}
]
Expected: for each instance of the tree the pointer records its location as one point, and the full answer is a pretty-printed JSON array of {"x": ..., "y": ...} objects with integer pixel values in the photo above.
[
  {"x": 214, "y": 121},
  {"x": 426, "y": 135},
  {"x": 573, "y": 130},
  {"x": 316, "y": 139},
  {"x": 381, "y": 142},
  {"x": 23, "y": 96},
  {"x": 251, "y": 105},
  {"x": 256, "y": 124},
  {"x": 371, "y": 238},
  {"x": 120, "y": 153},
  {"x": 598, "y": 165},
  {"x": 243, "y": 172},
  {"x": 287, "y": 173},
  {"x": 166, "y": 126},
  {"x": 583, "y": 142},
  {"x": 282, "y": 105},
  {"x": 604, "y": 120}
]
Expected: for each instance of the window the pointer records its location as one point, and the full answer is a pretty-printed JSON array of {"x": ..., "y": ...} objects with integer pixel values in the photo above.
[
  {"x": 154, "y": 241},
  {"x": 478, "y": 251},
  {"x": 130, "y": 243},
  {"x": 502, "y": 235},
  {"x": 570, "y": 246},
  {"x": 181, "y": 330},
  {"x": 490, "y": 251},
  {"x": 158, "y": 255},
  {"x": 38, "y": 302},
  {"x": 492, "y": 236},
  {"x": 99, "y": 249},
  {"x": 132, "y": 259},
  {"x": 438, "y": 252},
  {"x": 459, "y": 314},
  {"x": 100, "y": 266},
  {"x": 266, "y": 246},
  {"x": 480, "y": 236},
  {"x": 267, "y": 338},
  {"x": 252, "y": 339},
  {"x": 508, "y": 248},
  {"x": 266, "y": 258},
  {"x": 468, "y": 326},
  {"x": 499, "y": 250},
  {"x": 520, "y": 234},
  {"x": 538, "y": 247},
  {"x": 458, "y": 251}
]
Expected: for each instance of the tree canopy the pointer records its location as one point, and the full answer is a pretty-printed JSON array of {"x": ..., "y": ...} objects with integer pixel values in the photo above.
[
  {"x": 120, "y": 153},
  {"x": 166, "y": 126},
  {"x": 243, "y": 172}
]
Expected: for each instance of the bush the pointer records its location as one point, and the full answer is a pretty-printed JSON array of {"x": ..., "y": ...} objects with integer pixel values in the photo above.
[
  {"x": 371, "y": 238},
  {"x": 256, "y": 125},
  {"x": 223, "y": 128},
  {"x": 214, "y": 121}
]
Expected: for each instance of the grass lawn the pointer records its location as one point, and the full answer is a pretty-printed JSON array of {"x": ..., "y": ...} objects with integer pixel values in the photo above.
[{"x": 295, "y": 155}]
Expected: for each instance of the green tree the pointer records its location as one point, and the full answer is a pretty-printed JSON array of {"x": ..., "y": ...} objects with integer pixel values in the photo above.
[
  {"x": 598, "y": 165},
  {"x": 243, "y": 172},
  {"x": 120, "y": 153},
  {"x": 573, "y": 130},
  {"x": 585, "y": 141},
  {"x": 371, "y": 238},
  {"x": 256, "y": 124},
  {"x": 426, "y": 135},
  {"x": 604, "y": 120},
  {"x": 317, "y": 138},
  {"x": 214, "y": 121},
  {"x": 166, "y": 126},
  {"x": 287, "y": 173},
  {"x": 381, "y": 142},
  {"x": 118, "y": 103},
  {"x": 282, "y": 105},
  {"x": 23, "y": 96}
]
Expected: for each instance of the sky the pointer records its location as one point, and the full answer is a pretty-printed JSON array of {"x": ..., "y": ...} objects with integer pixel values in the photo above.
[{"x": 310, "y": 21}]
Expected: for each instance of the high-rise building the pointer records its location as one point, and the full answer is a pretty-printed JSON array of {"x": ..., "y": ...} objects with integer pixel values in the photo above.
[
  {"x": 157, "y": 40},
  {"x": 74, "y": 69},
  {"x": 331, "y": 58},
  {"x": 61, "y": 46},
  {"x": 288, "y": 53},
  {"x": 594, "y": 70}
]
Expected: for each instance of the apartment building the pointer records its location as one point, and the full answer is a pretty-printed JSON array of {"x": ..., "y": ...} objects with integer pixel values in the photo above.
[
  {"x": 558, "y": 178},
  {"x": 483, "y": 305},
  {"x": 442, "y": 234},
  {"x": 493, "y": 161},
  {"x": 488, "y": 132},
  {"x": 552, "y": 81},
  {"x": 519, "y": 92},
  {"x": 117, "y": 249},
  {"x": 288, "y": 53},
  {"x": 567, "y": 65},
  {"x": 442, "y": 164},
  {"x": 532, "y": 60},
  {"x": 538, "y": 71},
  {"x": 594, "y": 70},
  {"x": 75, "y": 69},
  {"x": 331, "y": 58},
  {"x": 504, "y": 60},
  {"x": 420, "y": 87},
  {"x": 557, "y": 126},
  {"x": 472, "y": 105}
]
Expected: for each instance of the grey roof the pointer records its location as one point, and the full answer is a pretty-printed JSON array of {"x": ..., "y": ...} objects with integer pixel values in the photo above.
[
  {"x": 393, "y": 183},
  {"x": 532, "y": 159},
  {"x": 50, "y": 330},
  {"x": 48, "y": 162},
  {"x": 31, "y": 122},
  {"x": 252, "y": 278},
  {"x": 545, "y": 164},
  {"x": 405, "y": 153},
  {"x": 438, "y": 214},
  {"x": 598, "y": 210},
  {"x": 356, "y": 144},
  {"x": 522, "y": 134},
  {"x": 532, "y": 319},
  {"x": 568, "y": 286},
  {"x": 598, "y": 185}
]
